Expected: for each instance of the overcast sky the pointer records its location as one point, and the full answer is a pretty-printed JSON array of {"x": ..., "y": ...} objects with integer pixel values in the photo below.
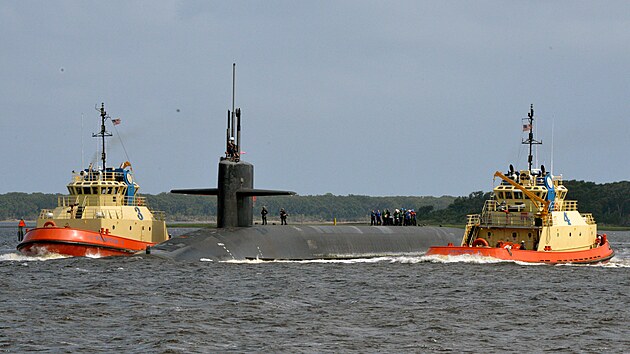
[{"x": 342, "y": 97}]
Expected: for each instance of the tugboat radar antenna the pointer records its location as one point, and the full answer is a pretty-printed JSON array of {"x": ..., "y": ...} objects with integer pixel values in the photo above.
[
  {"x": 529, "y": 126},
  {"x": 103, "y": 133}
]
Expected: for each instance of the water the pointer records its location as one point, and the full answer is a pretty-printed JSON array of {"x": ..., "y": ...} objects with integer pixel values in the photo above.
[{"x": 418, "y": 304}]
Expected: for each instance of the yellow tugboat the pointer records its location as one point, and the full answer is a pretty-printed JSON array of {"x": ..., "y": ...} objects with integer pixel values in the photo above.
[
  {"x": 102, "y": 216},
  {"x": 529, "y": 220}
]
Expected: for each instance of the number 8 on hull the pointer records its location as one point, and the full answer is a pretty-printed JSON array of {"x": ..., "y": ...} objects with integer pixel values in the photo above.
[{"x": 102, "y": 216}]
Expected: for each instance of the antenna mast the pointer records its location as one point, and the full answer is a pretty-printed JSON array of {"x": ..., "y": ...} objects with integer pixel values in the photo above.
[
  {"x": 233, "y": 91},
  {"x": 530, "y": 139},
  {"x": 103, "y": 133},
  {"x": 234, "y": 120}
]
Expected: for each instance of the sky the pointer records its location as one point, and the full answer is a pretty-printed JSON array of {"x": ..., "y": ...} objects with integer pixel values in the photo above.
[{"x": 381, "y": 98}]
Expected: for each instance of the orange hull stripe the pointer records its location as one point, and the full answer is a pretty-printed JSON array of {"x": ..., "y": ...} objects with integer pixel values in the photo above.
[
  {"x": 595, "y": 255},
  {"x": 75, "y": 242}
]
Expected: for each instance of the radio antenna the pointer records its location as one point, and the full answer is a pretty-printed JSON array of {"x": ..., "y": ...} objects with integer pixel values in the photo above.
[
  {"x": 553, "y": 123},
  {"x": 82, "y": 162},
  {"x": 103, "y": 133},
  {"x": 233, "y": 93},
  {"x": 529, "y": 126}
]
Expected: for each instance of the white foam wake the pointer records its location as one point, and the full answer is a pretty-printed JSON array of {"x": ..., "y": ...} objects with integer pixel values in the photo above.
[
  {"x": 615, "y": 262},
  {"x": 13, "y": 257},
  {"x": 391, "y": 259}
]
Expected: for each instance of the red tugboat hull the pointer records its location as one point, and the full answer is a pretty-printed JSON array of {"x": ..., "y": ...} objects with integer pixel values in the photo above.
[
  {"x": 599, "y": 254},
  {"x": 78, "y": 243}
]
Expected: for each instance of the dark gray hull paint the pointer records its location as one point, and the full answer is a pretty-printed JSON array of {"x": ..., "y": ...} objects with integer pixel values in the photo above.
[{"x": 304, "y": 242}]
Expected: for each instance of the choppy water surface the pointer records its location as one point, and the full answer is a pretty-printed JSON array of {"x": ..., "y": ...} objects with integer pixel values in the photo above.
[{"x": 419, "y": 304}]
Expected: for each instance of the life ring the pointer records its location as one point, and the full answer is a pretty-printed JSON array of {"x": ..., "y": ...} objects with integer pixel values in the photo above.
[
  {"x": 128, "y": 178},
  {"x": 50, "y": 224},
  {"x": 480, "y": 242}
]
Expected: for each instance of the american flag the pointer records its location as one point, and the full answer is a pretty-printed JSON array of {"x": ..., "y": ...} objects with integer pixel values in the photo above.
[
  {"x": 527, "y": 127},
  {"x": 116, "y": 121}
]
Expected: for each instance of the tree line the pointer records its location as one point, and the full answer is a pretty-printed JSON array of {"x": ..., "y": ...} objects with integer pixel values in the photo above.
[{"x": 609, "y": 203}]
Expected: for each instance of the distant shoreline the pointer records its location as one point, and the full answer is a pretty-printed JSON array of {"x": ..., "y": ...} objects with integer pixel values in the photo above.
[{"x": 203, "y": 224}]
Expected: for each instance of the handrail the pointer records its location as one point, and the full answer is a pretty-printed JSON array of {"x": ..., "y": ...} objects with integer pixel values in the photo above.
[
  {"x": 100, "y": 200},
  {"x": 97, "y": 175},
  {"x": 92, "y": 214},
  {"x": 507, "y": 218}
]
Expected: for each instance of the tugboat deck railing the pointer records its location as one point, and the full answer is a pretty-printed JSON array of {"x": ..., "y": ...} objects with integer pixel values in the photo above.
[
  {"x": 473, "y": 219},
  {"x": 100, "y": 200},
  {"x": 590, "y": 220},
  {"x": 98, "y": 176},
  {"x": 566, "y": 205},
  {"x": 497, "y": 215},
  {"x": 97, "y": 214},
  {"x": 510, "y": 219}
]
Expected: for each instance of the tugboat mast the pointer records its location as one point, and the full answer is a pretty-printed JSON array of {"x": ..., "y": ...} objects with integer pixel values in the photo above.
[
  {"x": 103, "y": 133},
  {"x": 530, "y": 139}
]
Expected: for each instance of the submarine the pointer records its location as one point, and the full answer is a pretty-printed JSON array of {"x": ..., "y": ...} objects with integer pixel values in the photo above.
[{"x": 236, "y": 238}]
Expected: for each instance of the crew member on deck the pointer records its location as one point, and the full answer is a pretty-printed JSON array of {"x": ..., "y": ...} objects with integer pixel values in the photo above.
[
  {"x": 231, "y": 152},
  {"x": 523, "y": 245},
  {"x": 283, "y": 217},
  {"x": 21, "y": 226},
  {"x": 264, "y": 213}
]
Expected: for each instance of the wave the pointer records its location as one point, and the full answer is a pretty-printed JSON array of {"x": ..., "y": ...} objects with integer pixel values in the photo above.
[
  {"x": 13, "y": 257},
  {"x": 390, "y": 259},
  {"x": 615, "y": 262},
  {"x": 343, "y": 261}
]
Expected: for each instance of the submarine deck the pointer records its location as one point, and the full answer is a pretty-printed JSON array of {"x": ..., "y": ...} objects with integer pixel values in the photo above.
[{"x": 304, "y": 242}]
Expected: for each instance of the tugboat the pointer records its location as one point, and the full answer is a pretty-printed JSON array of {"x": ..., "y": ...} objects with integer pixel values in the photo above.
[
  {"x": 528, "y": 220},
  {"x": 103, "y": 215}
]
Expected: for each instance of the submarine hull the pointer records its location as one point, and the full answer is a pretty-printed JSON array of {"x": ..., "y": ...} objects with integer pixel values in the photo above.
[{"x": 303, "y": 242}]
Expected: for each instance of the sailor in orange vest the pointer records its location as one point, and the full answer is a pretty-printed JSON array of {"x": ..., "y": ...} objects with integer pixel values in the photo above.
[{"x": 21, "y": 226}]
